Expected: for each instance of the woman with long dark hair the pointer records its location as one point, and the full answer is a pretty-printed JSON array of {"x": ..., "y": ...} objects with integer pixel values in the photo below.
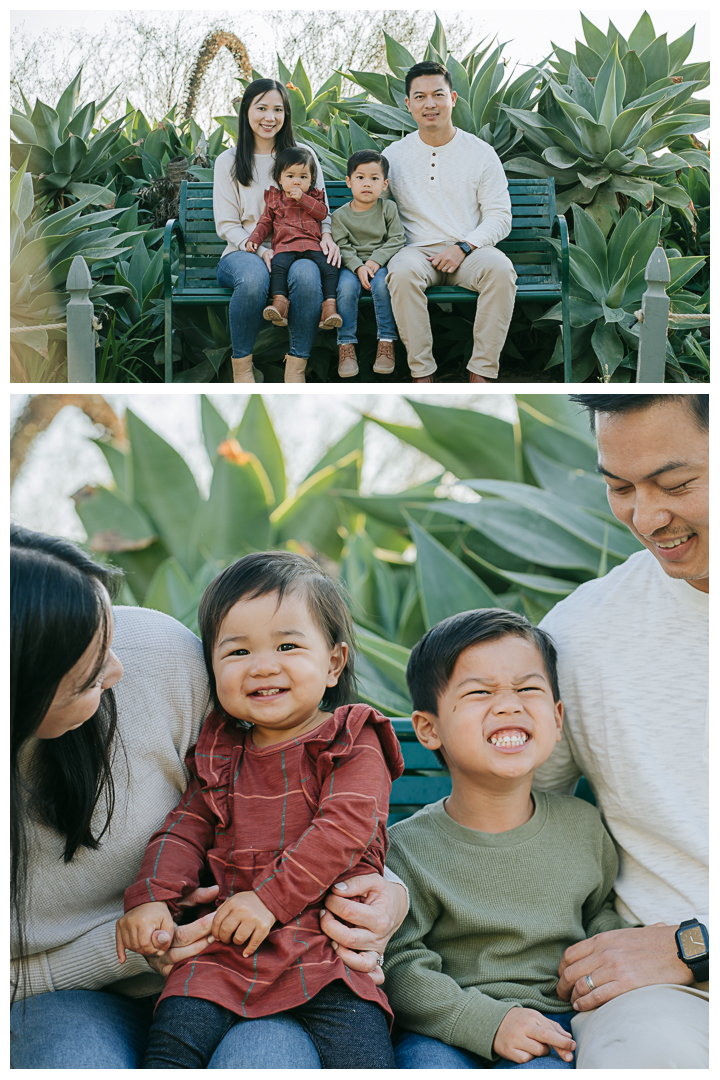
[
  {"x": 95, "y": 766},
  {"x": 241, "y": 177}
]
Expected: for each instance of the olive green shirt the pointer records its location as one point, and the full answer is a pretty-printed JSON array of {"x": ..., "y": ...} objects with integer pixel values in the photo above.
[
  {"x": 491, "y": 914},
  {"x": 368, "y": 234}
]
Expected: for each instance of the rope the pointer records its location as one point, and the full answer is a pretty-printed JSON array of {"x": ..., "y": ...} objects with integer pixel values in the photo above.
[
  {"x": 680, "y": 320},
  {"x": 28, "y": 329}
]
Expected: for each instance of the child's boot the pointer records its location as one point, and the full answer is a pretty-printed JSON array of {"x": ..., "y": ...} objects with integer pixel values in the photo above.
[
  {"x": 243, "y": 369},
  {"x": 277, "y": 312},
  {"x": 385, "y": 358},
  {"x": 295, "y": 369},
  {"x": 348, "y": 365},
  {"x": 329, "y": 317}
]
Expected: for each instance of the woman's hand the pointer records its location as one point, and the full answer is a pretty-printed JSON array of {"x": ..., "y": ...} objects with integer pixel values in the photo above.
[
  {"x": 374, "y": 917},
  {"x": 330, "y": 248},
  {"x": 266, "y": 255}
]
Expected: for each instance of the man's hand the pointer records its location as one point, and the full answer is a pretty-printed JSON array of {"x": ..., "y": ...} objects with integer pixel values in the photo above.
[
  {"x": 364, "y": 276},
  {"x": 618, "y": 961},
  {"x": 136, "y": 929},
  {"x": 330, "y": 248},
  {"x": 188, "y": 940},
  {"x": 243, "y": 917},
  {"x": 374, "y": 916},
  {"x": 526, "y": 1033},
  {"x": 448, "y": 259}
]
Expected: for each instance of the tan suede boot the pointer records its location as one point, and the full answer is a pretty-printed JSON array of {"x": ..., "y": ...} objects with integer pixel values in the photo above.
[
  {"x": 277, "y": 311},
  {"x": 295, "y": 369},
  {"x": 385, "y": 358},
  {"x": 348, "y": 365},
  {"x": 329, "y": 317},
  {"x": 243, "y": 369}
]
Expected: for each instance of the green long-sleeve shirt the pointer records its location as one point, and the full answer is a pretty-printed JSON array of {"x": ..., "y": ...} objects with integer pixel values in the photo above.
[
  {"x": 368, "y": 234},
  {"x": 491, "y": 915}
]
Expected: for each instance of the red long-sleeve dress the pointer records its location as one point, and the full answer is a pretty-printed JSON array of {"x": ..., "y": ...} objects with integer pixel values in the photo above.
[
  {"x": 294, "y": 224},
  {"x": 288, "y": 821}
]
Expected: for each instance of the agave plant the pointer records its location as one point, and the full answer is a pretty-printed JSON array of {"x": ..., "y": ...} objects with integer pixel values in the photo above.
[
  {"x": 515, "y": 517},
  {"x": 614, "y": 122},
  {"x": 69, "y": 157}
]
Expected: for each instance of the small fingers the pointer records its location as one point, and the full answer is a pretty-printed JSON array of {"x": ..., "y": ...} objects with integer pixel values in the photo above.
[
  {"x": 256, "y": 939},
  {"x": 120, "y": 945}
]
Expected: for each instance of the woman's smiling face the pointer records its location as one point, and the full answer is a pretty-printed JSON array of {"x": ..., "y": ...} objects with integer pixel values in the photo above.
[
  {"x": 266, "y": 116},
  {"x": 272, "y": 665}
]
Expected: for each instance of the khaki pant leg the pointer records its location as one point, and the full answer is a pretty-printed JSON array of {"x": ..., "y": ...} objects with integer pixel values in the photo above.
[
  {"x": 654, "y": 1027},
  {"x": 492, "y": 276},
  {"x": 409, "y": 274}
]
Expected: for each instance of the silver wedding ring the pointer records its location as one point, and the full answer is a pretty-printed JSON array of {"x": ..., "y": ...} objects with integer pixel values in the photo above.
[
  {"x": 590, "y": 984},
  {"x": 380, "y": 957}
]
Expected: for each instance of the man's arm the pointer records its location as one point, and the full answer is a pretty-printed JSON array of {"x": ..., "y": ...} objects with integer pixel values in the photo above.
[{"x": 494, "y": 203}]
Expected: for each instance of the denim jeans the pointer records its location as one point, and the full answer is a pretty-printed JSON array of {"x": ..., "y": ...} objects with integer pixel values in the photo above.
[
  {"x": 349, "y": 290},
  {"x": 93, "y": 1029},
  {"x": 348, "y": 1032},
  {"x": 414, "y": 1051},
  {"x": 248, "y": 276}
]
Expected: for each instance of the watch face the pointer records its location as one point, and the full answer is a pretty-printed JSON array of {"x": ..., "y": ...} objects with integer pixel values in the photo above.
[{"x": 692, "y": 942}]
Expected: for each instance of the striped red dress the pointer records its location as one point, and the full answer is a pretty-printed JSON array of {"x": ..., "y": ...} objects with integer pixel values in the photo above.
[
  {"x": 287, "y": 821},
  {"x": 294, "y": 224}
]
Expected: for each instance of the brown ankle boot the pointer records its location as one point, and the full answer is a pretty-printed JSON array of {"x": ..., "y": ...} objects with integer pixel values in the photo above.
[
  {"x": 243, "y": 369},
  {"x": 329, "y": 317},
  {"x": 348, "y": 365},
  {"x": 277, "y": 312},
  {"x": 385, "y": 358},
  {"x": 295, "y": 369}
]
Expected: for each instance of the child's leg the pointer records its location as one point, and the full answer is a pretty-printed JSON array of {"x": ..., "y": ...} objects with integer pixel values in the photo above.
[
  {"x": 279, "y": 268},
  {"x": 386, "y": 328},
  {"x": 186, "y": 1032},
  {"x": 348, "y": 294},
  {"x": 348, "y": 1033},
  {"x": 328, "y": 274},
  {"x": 413, "y": 1051}
]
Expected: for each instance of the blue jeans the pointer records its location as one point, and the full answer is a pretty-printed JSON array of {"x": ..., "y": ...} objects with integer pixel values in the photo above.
[
  {"x": 349, "y": 290},
  {"x": 414, "y": 1051},
  {"x": 93, "y": 1029},
  {"x": 248, "y": 276}
]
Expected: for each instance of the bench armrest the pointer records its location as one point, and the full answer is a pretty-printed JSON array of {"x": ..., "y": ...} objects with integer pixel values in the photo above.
[
  {"x": 560, "y": 221},
  {"x": 173, "y": 225}
]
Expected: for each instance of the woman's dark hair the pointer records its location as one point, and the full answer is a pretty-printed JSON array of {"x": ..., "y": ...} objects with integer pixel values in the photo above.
[
  {"x": 368, "y": 157},
  {"x": 620, "y": 403},
  {"x": 56, "y": 610},
  {"x": 281, "y": 572},
  {"x": 426, "y": 67},
  {"x": 294, "y": 155},
  {"x": 245, "y": 149}
]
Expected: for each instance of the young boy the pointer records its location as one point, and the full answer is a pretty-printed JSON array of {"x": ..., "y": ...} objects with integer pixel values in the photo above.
[
  {"x": 368, "y": 232},
  {"x": 501, "y": 881}
]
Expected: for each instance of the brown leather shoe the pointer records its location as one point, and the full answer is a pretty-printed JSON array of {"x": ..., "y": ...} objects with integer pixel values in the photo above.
[
  {"x": 277, "y": 312},
  {"x": 478, "y": 378},
  {"x": 348, "y": 365},
  {"x": 385, "y": 358},
  {"x": 329, "y": 318},
  {"x": 424, "y": 378}
]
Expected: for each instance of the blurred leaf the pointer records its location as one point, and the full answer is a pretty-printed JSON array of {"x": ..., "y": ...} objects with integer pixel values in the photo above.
[
  {"x": 172, "y": 591},
  {"x": 257, "y": 434},
  {"x": 445, "y": 584},
  {"x": 214, "y": 428},
  {"x": 235, "y": 519},
  {"x": 111, "y": 523}
]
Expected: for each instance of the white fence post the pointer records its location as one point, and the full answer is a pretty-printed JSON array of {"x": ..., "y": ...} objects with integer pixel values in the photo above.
[
  {"x": 80, "y": 333},
  {"x": 654, "y": 320}
]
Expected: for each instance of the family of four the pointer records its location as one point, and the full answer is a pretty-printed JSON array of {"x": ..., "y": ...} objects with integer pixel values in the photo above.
[
  {"x": 518, "y": 927},
  {"x": 451, "y": 207}
]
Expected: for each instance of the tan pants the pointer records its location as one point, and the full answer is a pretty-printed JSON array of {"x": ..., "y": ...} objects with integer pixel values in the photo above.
[
  {"x": 654, "y": 1027},
  {"x": 486, "y": 271}
]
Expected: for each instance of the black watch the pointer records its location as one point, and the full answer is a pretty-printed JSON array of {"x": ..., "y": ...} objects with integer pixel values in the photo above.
[
  {"x": 465, "y": 248},
  {"x": 693, "y": 942}
]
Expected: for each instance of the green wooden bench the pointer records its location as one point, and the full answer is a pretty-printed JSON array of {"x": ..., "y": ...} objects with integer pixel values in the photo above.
[
  {"x": 424, "y": 781},
  {"x": 541, "y": 275}
]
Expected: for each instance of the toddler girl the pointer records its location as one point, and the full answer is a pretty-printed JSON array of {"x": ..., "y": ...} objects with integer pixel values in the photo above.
[
  {"x": 289, "y": 794},
  {"x": 293, "y": 215}
]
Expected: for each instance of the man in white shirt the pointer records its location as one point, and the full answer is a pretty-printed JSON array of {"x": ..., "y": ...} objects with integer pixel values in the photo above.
[
  {"x": 633, "y": 670},
  {"x": 454, "y": 204}
]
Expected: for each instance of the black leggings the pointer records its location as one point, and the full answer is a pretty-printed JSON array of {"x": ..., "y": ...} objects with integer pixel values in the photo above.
[
  {"x": 348, "y": 1032},
  {"x": 283, "y": 260}
]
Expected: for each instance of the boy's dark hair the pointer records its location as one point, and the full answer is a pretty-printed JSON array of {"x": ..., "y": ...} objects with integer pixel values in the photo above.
[
  {"x": 426, "y": 67},
  {"x": 433, "y": 659},
  {"x": 294, "y": 155},
  {"x": 281, "y": 572},
  {"x": 620, "y": 403},
  {"x": 367, "y": 157}
]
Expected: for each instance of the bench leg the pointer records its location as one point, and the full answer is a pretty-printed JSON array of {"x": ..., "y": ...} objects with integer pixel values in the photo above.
[
  {"x": 567, "y": 341},
  {"x": 168, "y": 342}
]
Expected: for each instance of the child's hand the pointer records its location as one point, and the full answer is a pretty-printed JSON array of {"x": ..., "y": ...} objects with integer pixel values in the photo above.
[
  {"x": 295, "y": 193},
  {"x": 241, "y": 917},
  {"x": 362, "y": 273},
  {"x": 266, "y": 256},
  {"x": 372, "y": 267},
  {"x": 525, "y": 1034},
  {"x": 250, "y": 246},
  {"x": 135, "y": 929}
]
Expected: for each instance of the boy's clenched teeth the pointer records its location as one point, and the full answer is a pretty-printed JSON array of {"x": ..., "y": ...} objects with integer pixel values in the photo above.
[{"x": 510, "y": 737}]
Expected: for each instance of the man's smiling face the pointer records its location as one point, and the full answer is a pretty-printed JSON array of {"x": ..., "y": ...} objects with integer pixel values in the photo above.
[{"x": 655, "y": 463}]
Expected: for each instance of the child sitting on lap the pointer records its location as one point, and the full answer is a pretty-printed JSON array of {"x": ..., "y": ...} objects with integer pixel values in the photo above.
[
  {"x": 289, "y": 794},
  {"x": 501, "y": 881},
  {"x": 368, "y": 232},
  {"x": 293, "y": 215}
]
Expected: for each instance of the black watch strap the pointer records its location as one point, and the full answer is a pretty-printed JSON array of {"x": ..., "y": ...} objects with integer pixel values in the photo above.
[
  {"x": 700, "y": 967},
  {"x": 464, "y": 247}
]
